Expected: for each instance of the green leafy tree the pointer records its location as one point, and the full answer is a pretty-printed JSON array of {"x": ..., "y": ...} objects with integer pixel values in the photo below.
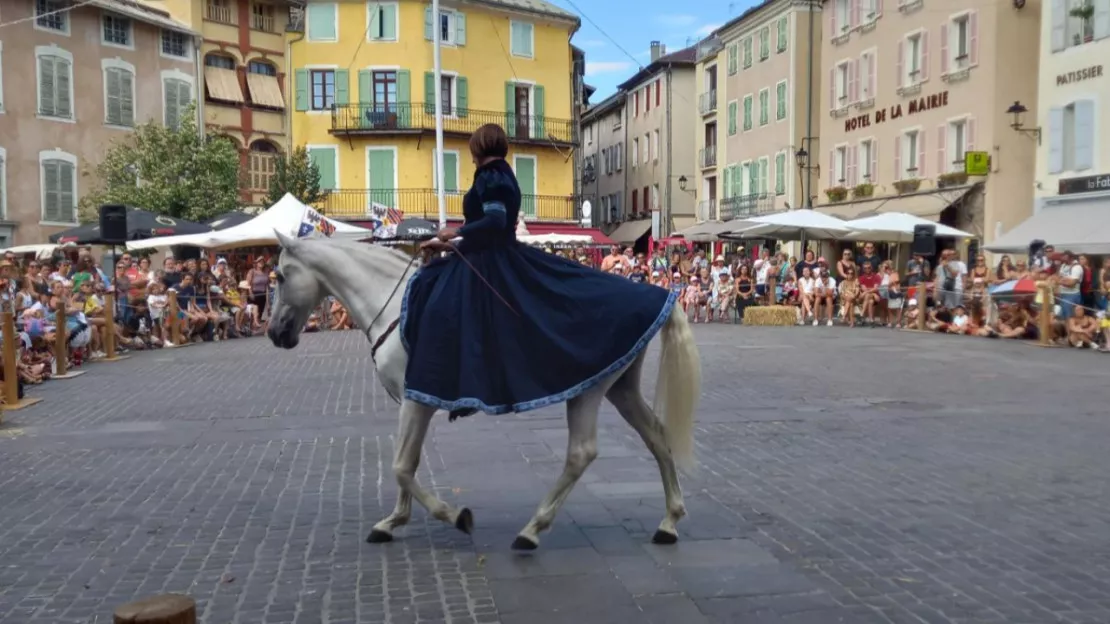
[
  {"x": 175, "y": 172},
  {"x": 297, "y": 175}
]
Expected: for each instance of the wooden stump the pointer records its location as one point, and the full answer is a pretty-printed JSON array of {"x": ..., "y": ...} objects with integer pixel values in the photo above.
[
  {"x": 164, "y": 609},
  {"x": 771, "y": 316}
]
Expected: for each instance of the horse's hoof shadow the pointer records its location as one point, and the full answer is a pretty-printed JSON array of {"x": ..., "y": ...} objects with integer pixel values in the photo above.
[
  {"x": 663, "y": 538},
  {"x": 523, "y": 543},
  {"x": 378, "y": 537},
  {"x": 465, "y": 521}
]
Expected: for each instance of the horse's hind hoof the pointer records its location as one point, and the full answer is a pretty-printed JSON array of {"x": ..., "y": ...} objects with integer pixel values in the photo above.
[
  {"x": 378, "y": 537},
  {"x": 663, "y": 538},
  {"x": 523, "y": 543},
  {"x": 465, "y": 521}
]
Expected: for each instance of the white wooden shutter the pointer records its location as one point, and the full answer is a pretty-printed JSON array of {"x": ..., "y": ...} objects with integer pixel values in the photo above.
[
  {"x": 127, "y": 98},
  {"x": 924, "y": 75},
  {"x": 1055, "y": 140},
  {"x": 900, "y": 80},
  {"x": 898, "y": 171},
  {"x": 113, "y": 105},
  {"x": 874, "y": 170},
  {"x": 66, "y": 198},
  {"x": 969, "y": 135},
  {"x": 1059, "y": 24},
  {"x": 1102, "y": 19},
  {"x": 50, "y": 188},
  {"x": 942, "y": 158},
  {"x": 1084, "y": 134},
  {"x": 944, "y": 48},
  {"x": 921, "y": 154}
]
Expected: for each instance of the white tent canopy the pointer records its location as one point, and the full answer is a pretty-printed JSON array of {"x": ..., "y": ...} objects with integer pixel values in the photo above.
[
  {"x": 286, "y": 217},
  {"x": 555, "y": 239},
  {"x": 792, "y": 225},
  {"x": 1078, "y": 226},
  {"x": 895, "y": 227}
]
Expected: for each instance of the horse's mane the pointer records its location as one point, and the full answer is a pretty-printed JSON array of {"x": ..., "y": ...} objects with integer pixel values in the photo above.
[{"x": 371, "y": 252}]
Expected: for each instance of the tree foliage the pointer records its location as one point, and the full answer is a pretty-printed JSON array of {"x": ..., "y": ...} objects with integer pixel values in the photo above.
[
  {"x": 295, "y": 174},
  {"x": 178, "y": 173}
]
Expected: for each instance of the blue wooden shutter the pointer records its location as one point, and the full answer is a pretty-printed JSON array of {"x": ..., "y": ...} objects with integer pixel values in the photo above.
[
  {"x": 460, "y": 29},
  {"x": 510, "y": 108},
  {"x": 428, "y": 23},
  {"x": 429, "y": 93},
  {"x": 462, "y": 98},
  {"x": 538, "y": 127},
  {"x": 1084, "y": 134},
  {"x": 342, "y": 87},
  {"x": 300, "y": 88},
  {"x": 404, "y": 98}
]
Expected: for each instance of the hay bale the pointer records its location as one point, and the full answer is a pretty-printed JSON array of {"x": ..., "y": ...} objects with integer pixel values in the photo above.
[
  {"x": 164, "y": 609},
  {"x": 771, "y": 316}
]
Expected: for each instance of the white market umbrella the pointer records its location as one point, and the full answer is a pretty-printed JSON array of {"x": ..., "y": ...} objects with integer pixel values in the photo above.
[
  {"x": 896, "y": 227},
  {"x": 792, "y": 225},
  {"x": 555, "y": 239}
]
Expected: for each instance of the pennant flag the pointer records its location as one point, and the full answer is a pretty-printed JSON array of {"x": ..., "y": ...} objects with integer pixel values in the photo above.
[{"x": 315, "y": 224}]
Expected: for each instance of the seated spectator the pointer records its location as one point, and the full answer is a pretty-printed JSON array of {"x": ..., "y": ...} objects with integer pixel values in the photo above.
[
  {"x": 787, "y": 290},
  {"x": 725, "y": 298},
  {"x": 895, "y": 300},
  {"x": 850, "y": 295},
  {"x": 1013, "y": 322},
  {"x": 807, "y": 292},
  {"x": 745, "y": 290},
  {"x": 938, "y": 319},
  {"x": 869, "y": 282},
  {"x": 157, "y": 304},
  {"x": 824, "y": 294},
  {"x": 695, "y": 298},
  {"x": 1081, "y": 329}
]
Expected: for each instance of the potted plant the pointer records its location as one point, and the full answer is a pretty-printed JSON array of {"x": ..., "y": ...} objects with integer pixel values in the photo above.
[
  {"x": 862, "y": 190},
  {"x": 836, "y": 194},
  {"x": 1085, "y": 12},
  {"x": 908, "y": 185},
  {"x": 956, "y": 178}
]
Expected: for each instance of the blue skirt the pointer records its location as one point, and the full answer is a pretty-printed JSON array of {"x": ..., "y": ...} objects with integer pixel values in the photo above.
[{"x": 561, "y": 329}]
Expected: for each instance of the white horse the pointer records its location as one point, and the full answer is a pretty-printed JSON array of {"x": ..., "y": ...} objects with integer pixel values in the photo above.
[{"x": 370, "y": 281}]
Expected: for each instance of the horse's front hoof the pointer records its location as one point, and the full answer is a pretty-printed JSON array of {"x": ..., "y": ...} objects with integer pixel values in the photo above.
[
  {"x": 465, "y": 521},
  {"x": 379, "y": 537},
  {"x": 523, "y": 543},
  {"x": 664, "y": 538}
]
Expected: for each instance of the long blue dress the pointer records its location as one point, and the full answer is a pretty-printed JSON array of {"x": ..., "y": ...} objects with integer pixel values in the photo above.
[{"x": 552, "y": 330}]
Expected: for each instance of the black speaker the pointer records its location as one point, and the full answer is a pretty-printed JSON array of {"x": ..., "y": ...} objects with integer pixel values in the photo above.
[
  {"x": 113, "y": 224},
  {"x": 925, "y": 240}
]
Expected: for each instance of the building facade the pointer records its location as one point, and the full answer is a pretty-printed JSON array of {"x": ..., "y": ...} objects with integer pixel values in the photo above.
[
  {"x": 659, "y": 120},
  {"x": 910, "y": 89},
  {"x": 73, "y": 79},
  {"x": 243, "y": 57},
  {"x": 755, "y": 110},
  {"x": 604, "y": 135},
  {"x": 364, "y": 101}
]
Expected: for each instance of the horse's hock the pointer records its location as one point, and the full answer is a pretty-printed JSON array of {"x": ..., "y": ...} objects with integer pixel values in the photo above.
[{"x": 164, "y": 609}]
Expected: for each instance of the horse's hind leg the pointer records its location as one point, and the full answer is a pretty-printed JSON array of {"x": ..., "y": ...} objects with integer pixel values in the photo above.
[
  {"x": 581, "y": 451},
  {"x": 625, "y": 396},
  {"x": 414, "y": 421}
]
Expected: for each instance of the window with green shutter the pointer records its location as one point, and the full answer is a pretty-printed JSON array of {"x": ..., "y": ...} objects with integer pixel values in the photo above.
[
  {"x": 764, "y": 43},
  {"x": 55, "y": 86},
  {"x": 119, "y": 90},
  {"x": 780, "y": 101},
  {"x": 763, "y": 166},
  {"x": 753, "y": 178},
  {"x": 780, "y": 174},
  {"x": 382, "y": 176},
  {"x": 178, "y": 94},
  {"x": 747, "y": 52},
  {"x": 732, "y": 59},
  {"x": 747, "y": 112},
  {"x": 764, "y": 107},
  {"x": 521, "y": 36},
  {"x": 726, "y": 190},
  {"x": 739, "y": 172},
  {"x": 782, "y": 34},
  {"x": 450, "y": 171},
  {"x": 324, "y": 158},
  {"x": 322, "y": 21},
  {"x": 732, "y": 118},
  {"x": 59, "y": 202},
  {"x": 382, "y": 24}
]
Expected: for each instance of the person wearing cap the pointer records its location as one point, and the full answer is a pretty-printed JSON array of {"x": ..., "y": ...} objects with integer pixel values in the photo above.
[{"x": 719, "y": 268}]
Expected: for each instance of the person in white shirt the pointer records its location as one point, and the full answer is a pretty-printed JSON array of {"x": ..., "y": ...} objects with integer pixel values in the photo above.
[
  {"x": 1069, "y": 281},
  {"x": 807, "y": 287},
  {"x": 824, "y": 293}
]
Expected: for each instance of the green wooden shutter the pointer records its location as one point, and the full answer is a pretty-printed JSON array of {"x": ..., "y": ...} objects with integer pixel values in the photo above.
[
  {"x": 50, "y": 186},
  {"x": 113, "y": 106},
  {"x": 510, "y": 108},
  {"x": 62, "y": 72},
  {"x": 738, "y": 180},
  {"x": 365, "y": 99},
  {"x": 381, "y": 177},
  {"x": 526, "y": 178},
  {"x": 404, "y": 99},
  {"x": 170, "y": 88},
  {"x": 460, "y": 29},
  {"x": 539, "y": 129},
  {"x": 450, "y": 172},
  {"x": 726, "y": 191},
  {"x": 429, "y": 93},
  {"x": 300, "y": 88},
  {"x": 428, "y": 23},
  {"x": 780, "y": 113},
  {"x": 46, "y": 85},
  {"x": 324, "y": 159},
  {"x": 322, "y": 21},
  {"x": 342, "y": 87},
  {"x": 731, "y": 118},
  {"x": 127, "y": 98},
  {"x": 764, "y": 107},
  {"x": 67, "y": 195},
  {"x": 782, "y": 34},
  {"x": 780, "y": 174},
  {"x": 753, "y": 178},
  {"x": 389, "y": 21},
  {"x": 462, "y": 99}
]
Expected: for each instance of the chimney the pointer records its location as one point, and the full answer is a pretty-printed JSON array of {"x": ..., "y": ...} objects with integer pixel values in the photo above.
[{"x": 657, "y": 50}]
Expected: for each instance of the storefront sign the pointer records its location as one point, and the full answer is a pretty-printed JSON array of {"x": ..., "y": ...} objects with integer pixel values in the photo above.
[
  {"x": 1086, "y": 184},
  {"x": 918, "y": 105},
  {"x": 1079, "y": 75}
]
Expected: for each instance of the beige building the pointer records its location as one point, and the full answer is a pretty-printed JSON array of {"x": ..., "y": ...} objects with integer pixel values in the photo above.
[
  {"x": 603, "y": 140},
  {"x": 659, "y": 149},
  {"x": 909, "y": 90},
  {"x": 754, "y": 110},
  {"x": 1072, "y": 190},
  {"x": 73, "y": 79}
]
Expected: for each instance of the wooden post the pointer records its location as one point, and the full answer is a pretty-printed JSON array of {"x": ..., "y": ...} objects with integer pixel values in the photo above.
[
  {"x": 1045, "y": 318},
  {"x": 61, "y": 348},
  {"x": 173, "y": 320},
  {"x": 771, "y": 284},
  {"x": 164, "y": 609},
  {"x": 922, "y": 299},
  {"x": 11, "y": 365},
  {"x": 110, "y": 328}
]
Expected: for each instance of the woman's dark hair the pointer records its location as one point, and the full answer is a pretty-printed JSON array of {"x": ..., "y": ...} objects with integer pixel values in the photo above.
[{"x": 489, "y": 141}]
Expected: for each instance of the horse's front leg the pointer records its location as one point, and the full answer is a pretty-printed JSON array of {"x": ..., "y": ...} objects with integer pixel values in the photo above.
[
  {"x": 581, "y": 451},
  {"x": 414, "y": 422}
]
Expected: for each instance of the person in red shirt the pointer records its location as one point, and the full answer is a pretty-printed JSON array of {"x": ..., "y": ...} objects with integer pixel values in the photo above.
[{"x": 869, "y": 282}]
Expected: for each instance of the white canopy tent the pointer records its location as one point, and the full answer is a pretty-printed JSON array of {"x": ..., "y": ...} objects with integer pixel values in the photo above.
[
  {"x": 286, "y": 217},
  {"x": 792, "y": 225},
  {"x": 895, "y": 227},
  {"x": 41, "y": 251},
  {"x": 555, "y": 239},
  {"x": 1078, "y": 226}
]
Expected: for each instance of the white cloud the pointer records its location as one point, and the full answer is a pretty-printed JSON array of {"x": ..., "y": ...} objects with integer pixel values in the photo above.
[
  {"x": 705, "y": 30},
  {"x": 594, "y": 68},
  {"x": 590, "y": 44},
  {"x": 679, "y": 21}
]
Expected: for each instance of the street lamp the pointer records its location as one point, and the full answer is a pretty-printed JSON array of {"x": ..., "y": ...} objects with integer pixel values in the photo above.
[
  {"x": 802, "y": 158},
  {"x": 1018, "y": 110},
  {"x": 682, "y": 182},
  {"x": 588, "y": 172}
]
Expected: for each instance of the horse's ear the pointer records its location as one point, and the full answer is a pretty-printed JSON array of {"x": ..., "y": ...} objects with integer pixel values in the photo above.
[{"x": 285, "y": 241}]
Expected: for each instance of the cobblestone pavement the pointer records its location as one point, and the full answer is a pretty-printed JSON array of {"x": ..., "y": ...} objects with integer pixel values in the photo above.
[{"x": 847, "y": 476}]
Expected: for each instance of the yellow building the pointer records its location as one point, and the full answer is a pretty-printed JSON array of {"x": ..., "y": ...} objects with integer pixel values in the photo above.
[
  {"x": 361, "y": 74},
  {"x": 243, "y": 54}
]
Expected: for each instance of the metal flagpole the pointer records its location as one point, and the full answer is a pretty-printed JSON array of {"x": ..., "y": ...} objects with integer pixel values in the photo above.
[{"x": 437, "y": 33}]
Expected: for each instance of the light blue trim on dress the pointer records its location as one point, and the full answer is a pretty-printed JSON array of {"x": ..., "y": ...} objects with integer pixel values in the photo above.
[
  {"x": 495, "y": 206},
  {"x": 559, "y": 397}
]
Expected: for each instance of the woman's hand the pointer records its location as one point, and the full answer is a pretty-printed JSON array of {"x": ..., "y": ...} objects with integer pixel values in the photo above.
[
  {"x": 447, "y": 234},
  {"x": 436, "y": 245}
]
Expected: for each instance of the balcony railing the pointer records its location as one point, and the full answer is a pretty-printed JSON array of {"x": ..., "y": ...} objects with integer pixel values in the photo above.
[
  {"x": 405, "y": 118},
  {"x": 707, "y": 156},
  {"x": 220, "y": 11},
  {"x": 707, "y": 210},
  {"x": 262, "y": 18},
  {"x": 747, "y": 206},
  {"x": 707, "y": 102},
  {"x": 421, "y": 203}
]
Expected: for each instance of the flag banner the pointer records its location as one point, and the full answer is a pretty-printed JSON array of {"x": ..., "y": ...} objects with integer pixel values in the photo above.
[
  {"x": 315, "y": 224},
  {"x": 384, "y": 219}
]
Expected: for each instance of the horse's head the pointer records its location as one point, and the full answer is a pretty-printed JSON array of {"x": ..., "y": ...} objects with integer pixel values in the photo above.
[{"x": 298, "y": 293}]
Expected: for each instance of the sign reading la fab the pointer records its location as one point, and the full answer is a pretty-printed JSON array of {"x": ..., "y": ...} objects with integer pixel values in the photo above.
[{"x": 918, "y": 105}]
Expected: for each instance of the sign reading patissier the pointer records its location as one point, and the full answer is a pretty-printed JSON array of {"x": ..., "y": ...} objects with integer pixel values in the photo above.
[
  {"x": 1079, "y": 75},
  {"x": 916, "y": 105}
]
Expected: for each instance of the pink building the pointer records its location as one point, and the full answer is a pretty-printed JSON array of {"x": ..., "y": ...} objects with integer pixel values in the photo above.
[{"x": 74, "y": 78}]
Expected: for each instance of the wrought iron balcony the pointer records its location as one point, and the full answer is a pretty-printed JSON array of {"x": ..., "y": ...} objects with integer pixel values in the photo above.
[
  {"x": 418, "y": 118},
  {"x": 707, "y": 156},
  {"x": 707, "y": 210},
  {"x": 354, "y": 204},
  {"x": 747, "y": 206},
  {"x": 707, "y": 102}
]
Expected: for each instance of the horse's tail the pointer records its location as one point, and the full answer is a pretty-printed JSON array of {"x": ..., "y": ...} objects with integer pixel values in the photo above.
[{"x": 679, "y": 387}]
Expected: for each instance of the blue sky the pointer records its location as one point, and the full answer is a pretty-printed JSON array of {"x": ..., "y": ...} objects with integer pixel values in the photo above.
[{"x": 633, "y": 24}]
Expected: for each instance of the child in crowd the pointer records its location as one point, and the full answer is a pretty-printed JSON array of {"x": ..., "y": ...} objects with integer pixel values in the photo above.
[{"x": 157, "y": 302}]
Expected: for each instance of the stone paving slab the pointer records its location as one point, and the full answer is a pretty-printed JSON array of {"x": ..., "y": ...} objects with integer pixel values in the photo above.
[{"x": 846, "y": 476}]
